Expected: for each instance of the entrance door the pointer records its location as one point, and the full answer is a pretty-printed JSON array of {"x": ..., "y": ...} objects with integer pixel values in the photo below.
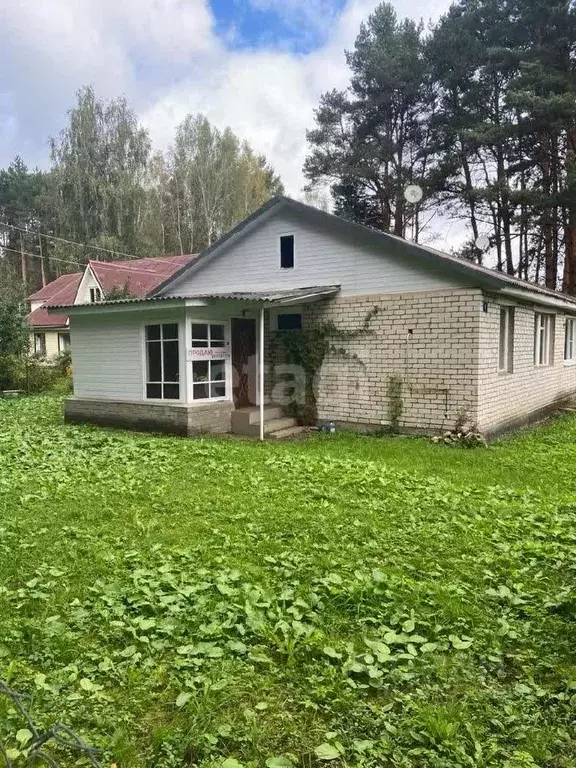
[{"x": 244, "y": 375}]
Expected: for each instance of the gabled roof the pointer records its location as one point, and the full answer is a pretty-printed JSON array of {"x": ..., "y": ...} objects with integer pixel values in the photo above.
[
  {"x": 483, "y": 276},
  {"x": 138, "y": 276},
  {"x": 59, "y": 291}
]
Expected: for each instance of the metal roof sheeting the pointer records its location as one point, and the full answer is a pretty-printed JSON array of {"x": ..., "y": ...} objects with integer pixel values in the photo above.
[{"x": 286, "y": 297}]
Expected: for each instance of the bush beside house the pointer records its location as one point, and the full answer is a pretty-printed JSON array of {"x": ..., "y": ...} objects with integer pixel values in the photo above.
[{"x": 19, "y": 370}]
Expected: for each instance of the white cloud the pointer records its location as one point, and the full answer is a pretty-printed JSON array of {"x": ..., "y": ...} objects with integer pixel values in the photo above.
[{"x": 165, "y": 56}]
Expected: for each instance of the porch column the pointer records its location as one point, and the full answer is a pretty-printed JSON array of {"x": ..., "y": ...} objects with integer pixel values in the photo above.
[{"x": 261, "y": 372}]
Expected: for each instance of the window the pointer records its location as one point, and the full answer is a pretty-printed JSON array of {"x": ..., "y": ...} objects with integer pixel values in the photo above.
[
  {"x": 289, "y": 321},
  {"x": 95, "y": 295},
  {"x": 287, "y": 251},
  {"x": 40, "y": 344},
  {"x": 543, "y": 339},
  {"x": 209, "y": 361},
  {"x": 162, "y": 362},
  {"x": 506, "y": 350},
  {"x": 570, "y": 340},
  {"x": 63, "y": 342}
]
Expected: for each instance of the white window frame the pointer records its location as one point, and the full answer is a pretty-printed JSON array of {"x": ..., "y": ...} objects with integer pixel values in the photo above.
[
  {"x": 279, "y": 252},
  {"x": 181, "y": 382},
  {"x": 227, "y": 357},
  {"x": 506, "y": 340},
  {"x": 60, "y": 347},
  {"x": 543, "y": 339},
  {"x": 96, "y": 296},
  {"x": 570, "y": 341},
  {"x": 40, "y": 335}
]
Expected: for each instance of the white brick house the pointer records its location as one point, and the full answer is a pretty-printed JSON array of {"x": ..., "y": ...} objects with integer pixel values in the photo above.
[{"x": 194, "y": 354}]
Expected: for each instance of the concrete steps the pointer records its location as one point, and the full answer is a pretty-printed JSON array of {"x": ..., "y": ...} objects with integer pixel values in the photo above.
[{"x": 246, "y": 421}]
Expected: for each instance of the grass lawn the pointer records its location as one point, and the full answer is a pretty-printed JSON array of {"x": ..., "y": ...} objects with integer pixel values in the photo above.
[{"x": 341, "y": 601}]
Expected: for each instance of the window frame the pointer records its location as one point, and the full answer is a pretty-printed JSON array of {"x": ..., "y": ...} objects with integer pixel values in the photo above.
[
  {"x": 544, "y": 330},
  {"x": 60, "y": 348},
  {"x": 40, "y": 335},
  {"x": 181, "y": 382},
  {"x": 226, "y": 358},
  {"x": 277, "y": 312},
  {"x": 506, "y": 350},
  {"x": 279, "y": 252},
  {"x": 95, "y": 295},
  {"x": 570, "y": 341}
]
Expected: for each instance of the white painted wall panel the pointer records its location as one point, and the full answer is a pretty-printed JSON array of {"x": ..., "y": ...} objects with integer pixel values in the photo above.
[
  {"x": 324, "y": 256},
  {"x": 107, "y": 357}
]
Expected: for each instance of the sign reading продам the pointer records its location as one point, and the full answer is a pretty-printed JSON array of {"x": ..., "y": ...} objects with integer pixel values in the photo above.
[{"x": 209, "y": 353}]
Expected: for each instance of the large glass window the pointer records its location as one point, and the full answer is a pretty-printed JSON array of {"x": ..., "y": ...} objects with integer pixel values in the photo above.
[
  {"x": 209, "y": 355},
  {"x": 162, "y": 362}
]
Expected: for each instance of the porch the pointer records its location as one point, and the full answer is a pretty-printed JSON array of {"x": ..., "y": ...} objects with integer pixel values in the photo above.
[{"x": 204, "y": 363}]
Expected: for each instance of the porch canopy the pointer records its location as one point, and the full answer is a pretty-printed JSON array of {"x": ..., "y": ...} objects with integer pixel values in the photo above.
[{"x": 265, "y": 299}]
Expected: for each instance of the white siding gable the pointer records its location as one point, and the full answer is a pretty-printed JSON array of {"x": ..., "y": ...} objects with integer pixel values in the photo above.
[
  {"x": 88, "y": 281},
  {"x": 323, "y": 256}
]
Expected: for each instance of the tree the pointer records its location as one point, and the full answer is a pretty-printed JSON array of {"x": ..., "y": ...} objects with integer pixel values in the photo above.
[
  {"x": 99, "y": 163},
  {"x": 372, "y": 140},
  {"x": 503, "y": 71},
  {"x": 13, "y": 326},
  {"x": 20, "y": 214},
  {"x": 216, "y": 181}
]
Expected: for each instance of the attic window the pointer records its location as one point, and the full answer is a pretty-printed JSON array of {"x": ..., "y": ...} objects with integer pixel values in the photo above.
[
  {"x": 286, "y": 251},
  {"x": 95, "y": 295}
]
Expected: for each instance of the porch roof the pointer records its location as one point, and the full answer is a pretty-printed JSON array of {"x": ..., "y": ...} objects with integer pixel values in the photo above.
[{"x": 270, "y": 297}]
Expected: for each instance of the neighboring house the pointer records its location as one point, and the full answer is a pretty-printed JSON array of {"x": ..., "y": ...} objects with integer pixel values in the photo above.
[
  {"x": 194, "y": 354},
  {"x": 50, "y": 332}
]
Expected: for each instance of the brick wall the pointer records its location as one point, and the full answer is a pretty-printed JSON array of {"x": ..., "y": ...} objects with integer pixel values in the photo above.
[
  {"x": 506, "y": 399},
  {"x": 152, "y": 417},
  {"x": 430, "y": 341}
]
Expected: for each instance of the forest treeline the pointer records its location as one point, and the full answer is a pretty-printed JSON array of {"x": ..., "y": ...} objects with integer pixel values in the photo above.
[
  {"x": 479, "y": 110},
  {"x": 107, "y": 195}
]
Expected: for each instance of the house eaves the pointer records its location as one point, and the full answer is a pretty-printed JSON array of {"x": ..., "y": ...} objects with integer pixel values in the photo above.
[{"x": 474, "y": 274}]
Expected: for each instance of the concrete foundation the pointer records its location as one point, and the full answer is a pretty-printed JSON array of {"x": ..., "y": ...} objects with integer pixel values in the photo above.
[{"x": 209, "y": 418}]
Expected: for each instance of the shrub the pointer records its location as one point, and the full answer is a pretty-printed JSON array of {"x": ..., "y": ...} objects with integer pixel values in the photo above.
[{"x": 32, "y": 376}]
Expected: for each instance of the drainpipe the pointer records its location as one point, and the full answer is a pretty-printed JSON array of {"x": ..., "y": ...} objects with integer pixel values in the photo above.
[{"x": 261, "y": 372}]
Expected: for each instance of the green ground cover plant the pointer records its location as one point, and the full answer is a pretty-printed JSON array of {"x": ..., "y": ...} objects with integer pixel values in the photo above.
[{"x": 344, "y": 601}]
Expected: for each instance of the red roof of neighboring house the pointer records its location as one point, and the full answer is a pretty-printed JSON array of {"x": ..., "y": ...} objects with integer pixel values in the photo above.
[
  {"x": 41, "y": 318},
  {"x": 138, "y": 276},
  {"x": 63, "y": 289}
]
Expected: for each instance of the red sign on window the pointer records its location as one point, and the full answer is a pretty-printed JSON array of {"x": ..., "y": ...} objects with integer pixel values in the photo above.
[{"x": 209, "y": 353}]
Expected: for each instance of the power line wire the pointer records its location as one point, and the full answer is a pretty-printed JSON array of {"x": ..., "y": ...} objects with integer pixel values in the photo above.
[
  {"x": 38, "y": 256},
  {"x": 70, "y": 242}
]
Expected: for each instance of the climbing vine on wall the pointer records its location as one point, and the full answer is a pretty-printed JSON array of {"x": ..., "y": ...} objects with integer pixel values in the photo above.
[
  {"x": 308, "y": 348},
  {"x": 395, "y": 401}
]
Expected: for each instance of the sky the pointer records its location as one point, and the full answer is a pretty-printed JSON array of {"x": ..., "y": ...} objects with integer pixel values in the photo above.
[{"x": 258, "y": 66}]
